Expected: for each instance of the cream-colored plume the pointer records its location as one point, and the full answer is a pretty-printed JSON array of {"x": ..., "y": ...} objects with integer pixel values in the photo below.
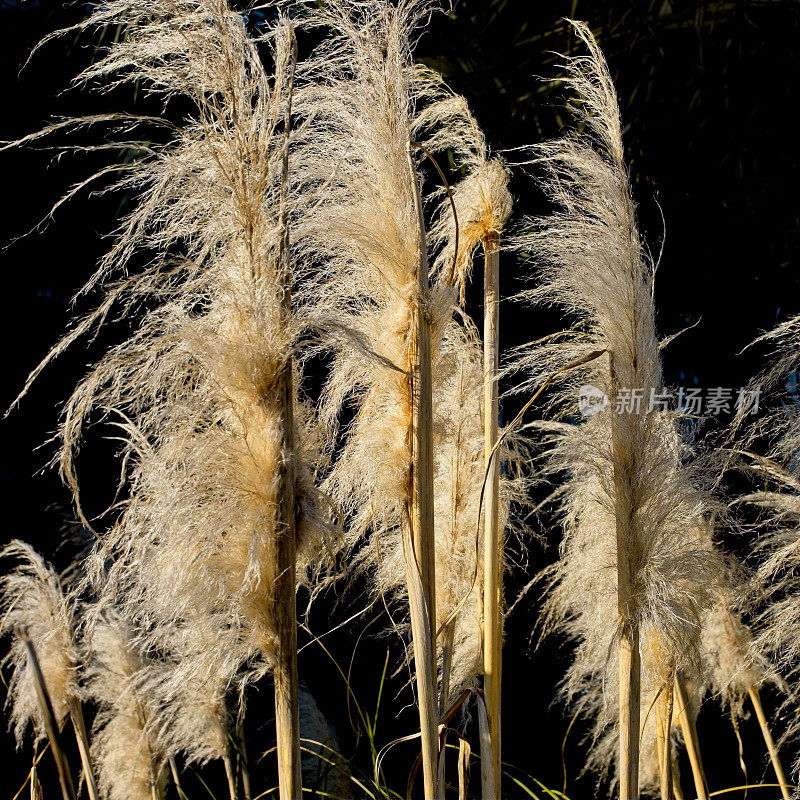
[
  {"x": 130, "y": 758},
  {"x": 365, "y": 106},
  {"x": 363, "y": 111},
  {"x": 631, "y": 571},
  {"x": 192, "y": 686},
  {"x": 482, "y": 207},
  {"x": 31, "y": 595},
  {"x": 193, "y": 389}
]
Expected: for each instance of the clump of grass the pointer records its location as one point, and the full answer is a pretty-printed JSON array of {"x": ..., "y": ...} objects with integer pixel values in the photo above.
[{"x": 367, "y": 107}]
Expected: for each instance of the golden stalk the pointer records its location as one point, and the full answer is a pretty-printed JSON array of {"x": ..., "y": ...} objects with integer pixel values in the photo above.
[
  {"x": 230, "y": 774},
  {"x": 630, "y": 671},
  {"x": 287, "y": 718},
  {"x": 755, "y": 699},
  {"x": 488, "y": 781},
  {"x": 50, "y": 725},
  {"x": 36, "y": 787},
  {"x": 493, "y": 536},
  {"x": 79, "y": 726},
  {"x": 419, "y": 543},
  {"x": 676, "y": 781},
  {"x": 630, "y": 664},
  {"x": 463, "y": 768},
  {"x": 663, "y": 728},
  {"x": 689, "y": 730},
  {"x": 173, "y": 768}
]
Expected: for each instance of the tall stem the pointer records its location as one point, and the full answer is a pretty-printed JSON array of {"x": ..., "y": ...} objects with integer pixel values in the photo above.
[
  {"x": 35, "y": 788},
  {"x": 493, "y": 536},
  {"x": 50, "y": 725},
  {"x": 176, "y": 778},
  {"x": 677, "y": 791},
  {"x": 689, "y": 730},
  {"x": 242, "y": 765},
  {"x": 287, "y": 717},
  {"x": 230, "y": 774},
  {"x": 630, "y": 668},
  {"x": 419, "y": 547},
  {"x": 79, "y": 725},
  {"x": 769, "y": 741},
  {"x": 664, "y": 725},
  {"x": 630, "y": 665},
  {"x": 488, "y": 781}
]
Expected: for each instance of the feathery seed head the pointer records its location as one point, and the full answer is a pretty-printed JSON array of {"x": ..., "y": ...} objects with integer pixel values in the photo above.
[{"x": 32, "y": 595}]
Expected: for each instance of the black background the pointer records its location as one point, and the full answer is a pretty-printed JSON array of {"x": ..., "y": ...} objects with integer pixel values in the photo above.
[{"x": 708, "y": 91}]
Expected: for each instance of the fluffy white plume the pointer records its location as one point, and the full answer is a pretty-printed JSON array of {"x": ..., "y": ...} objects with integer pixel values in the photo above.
[
  {"x": 191, "y": 687},
  {"x": 32, "y": 595},
  {"x": 482, "y": 204},
  {"x": 364, "y": 103},
  {"x": 776, "y": 584},
  {"x": 193, "y": 388},
  {"x": 129, "y": 757},
  {"x": 631, "y": 502}
]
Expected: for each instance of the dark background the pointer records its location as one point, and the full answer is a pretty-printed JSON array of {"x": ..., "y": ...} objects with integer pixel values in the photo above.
[{"x": 707, "y": 90}]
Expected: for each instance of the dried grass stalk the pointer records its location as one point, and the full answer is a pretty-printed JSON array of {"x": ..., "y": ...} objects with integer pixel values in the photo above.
[
  {"x": 47, "y": 715},
  {"x": 686, "y": 720}
]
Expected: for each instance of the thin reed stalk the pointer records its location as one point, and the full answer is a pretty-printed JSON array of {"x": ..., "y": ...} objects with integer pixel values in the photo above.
[
  {"x": 423, "y": 603},
  {"x": 677, "y": 790},
  {"x": 464, "y": 752},
  {"x": 630, "y": 672},
  {"x": 230, "y": 774},
  {"x": 689, "y": 730},
  {"x": 774, "y": 757},
  {"x": 488, "y": 780},
  {"x": 50, "y": 725},
  {"x": 664, "y": 708},
  {"x": 176, "y": 778},
  {"x": 79, "y": 726},
  {"x": 36, "y": 789},
  {"x": 242, "y": 764},
  {"x": 493, "y": 534},
  {"x": 287, "y": 718}
]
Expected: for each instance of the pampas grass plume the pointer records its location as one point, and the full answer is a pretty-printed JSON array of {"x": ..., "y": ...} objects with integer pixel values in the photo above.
[{"x": 32, "y": 595}]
